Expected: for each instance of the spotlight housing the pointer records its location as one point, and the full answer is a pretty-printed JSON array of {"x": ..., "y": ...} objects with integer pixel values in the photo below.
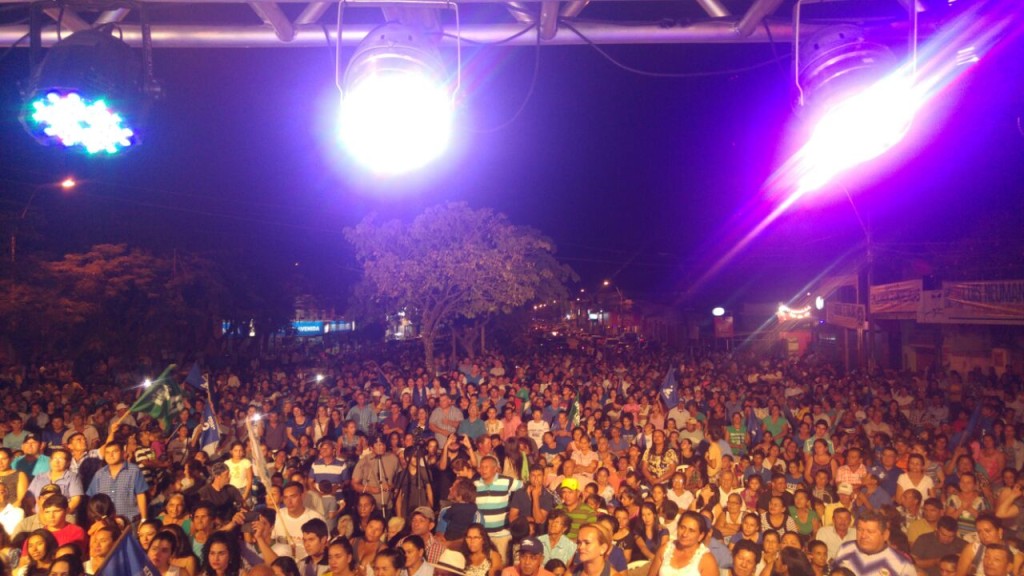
[
  {"x": 396, "y": 107},
  {"x": 837, "y": 61},
  {"x": 91, "y": 93}
]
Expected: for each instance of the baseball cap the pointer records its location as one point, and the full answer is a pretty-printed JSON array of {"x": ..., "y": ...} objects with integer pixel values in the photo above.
[
  {"x": 49, "y": 489},
  {"x": 531, "y": 546},
  {"x": 426, "y": 512},
  {"x": 121, "y": 406},
  {"x": 30, "y": 436},
  {"x": 451, "y": 561},
  {"x": 570, "y": 484},
  {"x": 845, "y": 488}
]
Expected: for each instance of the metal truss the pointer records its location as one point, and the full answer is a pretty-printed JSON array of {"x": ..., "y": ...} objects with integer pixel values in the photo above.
[{"x": 282, "y": 24}]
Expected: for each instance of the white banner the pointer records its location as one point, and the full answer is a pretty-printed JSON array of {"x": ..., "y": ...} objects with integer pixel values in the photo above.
[
  {"x": 897, "y": 300},
  {"x": 1000, "y": 302},
  {"x": 845, "y": 315}
]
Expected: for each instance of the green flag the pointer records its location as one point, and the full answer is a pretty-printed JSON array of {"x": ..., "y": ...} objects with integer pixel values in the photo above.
[
  {"x": 162, "y": 400},
  {"x": 575, "y": 413}
]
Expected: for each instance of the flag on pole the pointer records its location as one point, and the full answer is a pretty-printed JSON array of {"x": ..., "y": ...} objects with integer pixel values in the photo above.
[
  {"x": 197, "y": 379},
  {"x": 259, "y": 463},
  {"x": 575, "y": 411},
  {"x": 670, "y": 389},
  {"x": 209, "y": 432},
  {"x": 127, "y": 557},
  {"x": 162, "y": 400}
]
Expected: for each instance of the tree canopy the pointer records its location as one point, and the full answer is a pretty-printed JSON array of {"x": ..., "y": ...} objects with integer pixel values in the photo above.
[{"x": 453, "y": 262}]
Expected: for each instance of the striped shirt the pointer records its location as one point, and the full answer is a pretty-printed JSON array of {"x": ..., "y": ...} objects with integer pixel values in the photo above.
[
  {"x": 889, "y": 561},
  {"x": 492, "y": 501}
]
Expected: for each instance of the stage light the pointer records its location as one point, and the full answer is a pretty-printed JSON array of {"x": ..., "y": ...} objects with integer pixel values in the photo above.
[
  {"x": 718, "y": 312},
  {"x": 91, "y": 92},
  {"x": 859, "y": 101},
  {"x": 396, "y": 107}
]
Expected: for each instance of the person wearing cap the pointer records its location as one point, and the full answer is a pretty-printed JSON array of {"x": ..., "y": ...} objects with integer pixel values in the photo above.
[
  {"x": 225, "y": 500},
  {"x": 494, "y": 493},
  {"x": 531, "y": 560},
  {"x": 422, "y": 524},
  {"x": 59, "y": 474},
  {"x": 32, "y": 461},
  {"x": 844, "y": 493},
  {"x": 122, "y": 481},
  {"x": 375, "y": 474},
  {"x": 573, "y": 505},
  {"x": 123, "y": 416}
]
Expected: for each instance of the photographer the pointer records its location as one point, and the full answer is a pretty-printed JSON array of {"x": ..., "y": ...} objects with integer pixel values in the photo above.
[{"x": 375, "y": 474}]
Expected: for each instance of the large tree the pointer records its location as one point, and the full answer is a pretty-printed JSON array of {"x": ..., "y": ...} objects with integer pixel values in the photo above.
[
  {"x": 114, "y": 299},
  {"x": 455, "y": 262}
]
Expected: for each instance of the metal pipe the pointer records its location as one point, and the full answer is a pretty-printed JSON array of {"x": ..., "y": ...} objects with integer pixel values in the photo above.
[
  {"x": 714, "y": 8},
  {"x": 549, "y": 19},
  {"x": 312, "y": 12},
  {"x": 753, "y": 17},
  {"x": 521, "y": 11},
  {"x": 112, "y": 16},
  {"x": 271, "y": 14},
  {"x": 572, "y": 9},
  {"x": 211, "y": 36},
  {"x": 68, "y": 18}
]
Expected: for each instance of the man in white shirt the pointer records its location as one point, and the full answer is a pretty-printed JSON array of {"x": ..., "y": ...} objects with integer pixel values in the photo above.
[
  {"x": 838, "y": 532},
  {"x": 290, "y": 519}
]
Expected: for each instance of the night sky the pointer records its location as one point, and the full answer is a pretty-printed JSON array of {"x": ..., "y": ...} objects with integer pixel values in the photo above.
[{"x": 641, "y": 180}]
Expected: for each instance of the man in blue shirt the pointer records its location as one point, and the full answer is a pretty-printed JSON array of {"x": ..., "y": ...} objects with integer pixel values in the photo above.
[{"x": 122, "y": 481}]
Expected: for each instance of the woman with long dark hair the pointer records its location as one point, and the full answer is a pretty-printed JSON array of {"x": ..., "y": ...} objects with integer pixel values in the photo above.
[
  {"x": 687, "y": 554},
  {"x": 482, "y": 557},
  {"x": 660, "y": 461},
  {"x": 648, "y": 534},
  {"x": 341, "y": 558},
  {"x": 221, "y": 556},
  {"x": 41, "y": 548}
]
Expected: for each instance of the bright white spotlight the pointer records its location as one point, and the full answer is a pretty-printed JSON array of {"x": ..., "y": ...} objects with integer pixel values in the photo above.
[
  {"x": 147, "y": 383},
  {"x": 396, "y": 107},
  {"x": 860, "y": 128},
  {"x": 319, "y": 377},
  {"x": 859, "y": 106},
  {"x": 718, "y": 312}
]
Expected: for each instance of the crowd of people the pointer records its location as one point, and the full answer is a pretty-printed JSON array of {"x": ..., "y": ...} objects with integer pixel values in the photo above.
[{"x": 358, "y": 462}]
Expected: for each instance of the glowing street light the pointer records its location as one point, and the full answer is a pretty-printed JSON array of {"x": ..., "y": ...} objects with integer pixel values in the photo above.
[
  {"x": 67, "y": 184},
  {"x": 718, "y": 311}
]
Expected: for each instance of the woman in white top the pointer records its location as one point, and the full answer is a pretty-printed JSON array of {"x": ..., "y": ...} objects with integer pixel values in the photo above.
[
  {"x": 915, "y": 478},
  {"x": 161, "y": 552},
  {"x": 240, "y": 468},
  {"x": 686, "y": 555}
]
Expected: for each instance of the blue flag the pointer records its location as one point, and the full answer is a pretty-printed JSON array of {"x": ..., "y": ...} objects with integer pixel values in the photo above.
[
  {"x": 127, "y": 557},
  {"x": 197, "y": 379},
  {"x": 209, "y": 435},
  {"x": 670, "y": 389}
]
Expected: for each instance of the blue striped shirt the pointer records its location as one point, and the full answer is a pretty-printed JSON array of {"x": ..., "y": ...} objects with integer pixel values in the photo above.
[
  {"x": 889, "y": 561},
  {"x": 492, "y": 501}
]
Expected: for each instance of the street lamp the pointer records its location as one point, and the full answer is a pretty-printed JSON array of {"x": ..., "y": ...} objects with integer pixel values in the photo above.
[{"x": 66, "y": 184}]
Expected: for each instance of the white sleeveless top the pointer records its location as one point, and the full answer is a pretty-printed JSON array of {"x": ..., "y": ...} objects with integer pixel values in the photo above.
[{"x": 692, "y": 568}]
